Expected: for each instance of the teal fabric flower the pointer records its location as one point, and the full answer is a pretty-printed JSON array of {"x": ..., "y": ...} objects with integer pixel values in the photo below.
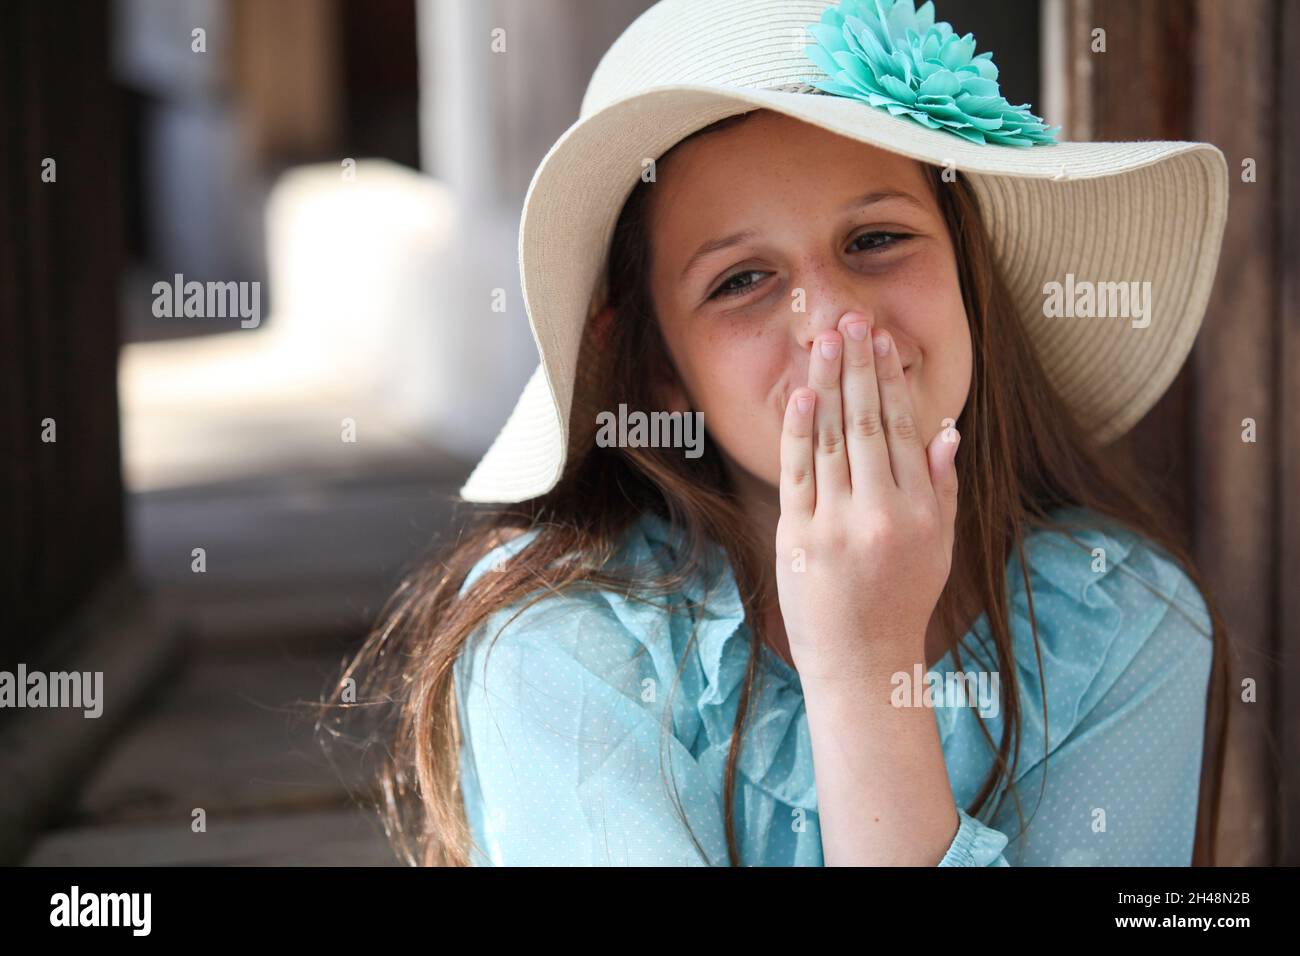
[{"x": 896, "y": 57}]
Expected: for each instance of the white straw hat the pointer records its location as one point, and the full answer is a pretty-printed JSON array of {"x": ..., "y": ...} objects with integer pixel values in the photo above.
[{"x": 1057, "y": 212}]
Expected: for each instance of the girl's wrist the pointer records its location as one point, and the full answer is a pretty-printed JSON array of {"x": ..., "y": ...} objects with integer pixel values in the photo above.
[{"x": 872, "y": 662}]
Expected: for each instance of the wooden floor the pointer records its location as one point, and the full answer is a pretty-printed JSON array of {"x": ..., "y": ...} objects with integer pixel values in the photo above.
[{"x": 297, "y": 569}]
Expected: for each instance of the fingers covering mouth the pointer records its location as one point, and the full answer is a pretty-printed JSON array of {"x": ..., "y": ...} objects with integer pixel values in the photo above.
[{"x": 787, "y": 390}]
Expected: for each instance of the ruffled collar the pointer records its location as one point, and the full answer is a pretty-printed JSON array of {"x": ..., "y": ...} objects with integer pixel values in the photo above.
[{"x": 777, "y": 753}]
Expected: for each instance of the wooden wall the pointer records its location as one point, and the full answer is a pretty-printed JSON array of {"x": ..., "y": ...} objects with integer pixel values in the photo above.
[
  {"x": 61, "y": 519},
  {"x": 1225, "y": 72}
]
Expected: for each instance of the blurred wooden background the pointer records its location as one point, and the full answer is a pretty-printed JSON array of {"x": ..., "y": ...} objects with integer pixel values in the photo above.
[{"x": 1225, "y": 71}]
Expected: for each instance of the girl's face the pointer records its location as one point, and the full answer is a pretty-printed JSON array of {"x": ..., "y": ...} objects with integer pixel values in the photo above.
[{"x": 762, "y": 236}]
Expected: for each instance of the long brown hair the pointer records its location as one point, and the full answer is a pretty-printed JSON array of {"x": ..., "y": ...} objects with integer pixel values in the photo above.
[{"x": 1022, "y": 456}]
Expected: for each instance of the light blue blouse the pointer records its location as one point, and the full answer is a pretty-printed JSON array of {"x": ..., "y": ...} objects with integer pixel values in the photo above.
[{"x": 569, "y": 741}]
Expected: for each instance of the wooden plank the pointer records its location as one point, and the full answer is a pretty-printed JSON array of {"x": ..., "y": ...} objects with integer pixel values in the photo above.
[
  {"x": 232, "y": 735},
  {"x": 287, "y": 72},
  {"x": 1236, "y": 495},
  {"x": 1288, "y": 353},
  {"x": 1150, "y": 45},
  {"x": 1220, "y": 492},
  {"x": 316, "y": 614},
  {"x": 348, "y": 837},
  {"x": 46, "y": 752},
  {"x": 60, "y": 253},
  {"x": 289, "y": 561},
  {"x": 287, "y": 531}
]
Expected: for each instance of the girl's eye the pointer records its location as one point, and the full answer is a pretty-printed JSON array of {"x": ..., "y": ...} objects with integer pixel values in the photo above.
[
  {"x": 879, "y": 240},
  {"x": 729, "y": 286},
  {"x": 876, "y": 242}
]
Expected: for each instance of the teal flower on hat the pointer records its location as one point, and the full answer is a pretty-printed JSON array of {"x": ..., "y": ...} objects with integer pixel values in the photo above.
[{"x": 894, "y": 56}]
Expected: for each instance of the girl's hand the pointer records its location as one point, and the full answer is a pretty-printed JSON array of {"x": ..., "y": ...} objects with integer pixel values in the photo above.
[{"x": 864, "y": 542}]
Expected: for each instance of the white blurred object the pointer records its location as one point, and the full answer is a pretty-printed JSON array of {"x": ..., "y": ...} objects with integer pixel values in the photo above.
[
  {"x": 382, "y": 287},
  {"x": 380, "y": 310},
  {"x": 353, "y": 268},
  {"x": 472, "y": 110}
]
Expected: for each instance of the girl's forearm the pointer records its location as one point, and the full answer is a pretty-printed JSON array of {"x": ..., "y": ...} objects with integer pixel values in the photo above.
[{"x": 883, "y": 796}]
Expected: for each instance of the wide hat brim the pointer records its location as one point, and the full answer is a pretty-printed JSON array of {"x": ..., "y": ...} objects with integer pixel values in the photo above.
[{"x": 1141, "y": 211}]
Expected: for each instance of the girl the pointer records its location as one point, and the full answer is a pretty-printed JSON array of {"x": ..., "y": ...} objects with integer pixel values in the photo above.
[{"x": 906, "y": 608}]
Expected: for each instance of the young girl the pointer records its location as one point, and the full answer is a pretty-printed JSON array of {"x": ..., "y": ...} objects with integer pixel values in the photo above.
[{"x": 906, "y": 608}]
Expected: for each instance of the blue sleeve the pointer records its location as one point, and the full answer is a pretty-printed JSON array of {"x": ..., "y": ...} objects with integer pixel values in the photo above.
[
  {"x": 1121, "y": 781},
  {"x": 565, "y": 759},
  {"x": 975, "y": 844}
]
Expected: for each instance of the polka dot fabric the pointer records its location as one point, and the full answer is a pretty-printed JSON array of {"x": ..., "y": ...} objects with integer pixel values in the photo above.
[{"x": 574, "y": 734}]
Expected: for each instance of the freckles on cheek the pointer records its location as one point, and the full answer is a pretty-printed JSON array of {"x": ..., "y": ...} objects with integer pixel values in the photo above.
[
  {"x": 736, "y": 366},
  {"x": 931, "y": 307},
  {"x": 930, "y": 279}
]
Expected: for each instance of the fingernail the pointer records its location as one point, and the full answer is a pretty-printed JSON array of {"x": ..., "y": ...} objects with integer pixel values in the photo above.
[
  {"x": 803, "y": 402},
  {"x": 882, "y": 343},
  {"x": 856, "y": 330},
  {"x": 830, "y": 348}
]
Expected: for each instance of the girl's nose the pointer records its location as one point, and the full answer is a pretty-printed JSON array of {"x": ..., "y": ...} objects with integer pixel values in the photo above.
[
  {"x": 816, "y": 322},
  {"x": 826, "y": 297}
]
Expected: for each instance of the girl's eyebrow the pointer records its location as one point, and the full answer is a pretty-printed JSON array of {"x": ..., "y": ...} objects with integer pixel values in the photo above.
[
  {"x": 858, "y": 202},
  {"x": 880, "y": 195},
  {"x": 714, "y": 245}
]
